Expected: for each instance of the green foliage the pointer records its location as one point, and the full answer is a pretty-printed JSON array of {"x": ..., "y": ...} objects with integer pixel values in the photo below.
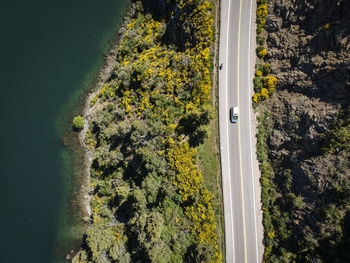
[
  {"x": 262, "y": 92},
  {"x": 258, "y": 84},
  {"x": 148, "y": 200},
  {"x": 258, "y": 30},
  {"x": 267, "y": 188},
  {"x": 106, "y": 158},
  {"x": 78, "y": 122},
  {"x": 287, "y": 180},
  {"x": 195, "y": 124},
  {"x": 259, "y": 49},
  {"x": 260, "y": 40},
  {"x": 266, "y": 69},
  {"x": 101, "y": 238},
  {"x": 262, "y": 2},
  {"x": 338, "y": 139}
]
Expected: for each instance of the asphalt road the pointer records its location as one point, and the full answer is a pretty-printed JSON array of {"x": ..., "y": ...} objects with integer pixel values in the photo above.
[{"x": 235, "y": 139}]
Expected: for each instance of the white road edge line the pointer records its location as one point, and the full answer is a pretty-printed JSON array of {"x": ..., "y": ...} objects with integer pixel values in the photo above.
[
  {"x": 228, "y": 148},
  {"x": 250, "y": 135}
]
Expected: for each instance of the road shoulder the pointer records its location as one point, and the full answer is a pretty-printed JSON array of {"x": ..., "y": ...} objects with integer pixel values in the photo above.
[{"x": 254, "y": 123}]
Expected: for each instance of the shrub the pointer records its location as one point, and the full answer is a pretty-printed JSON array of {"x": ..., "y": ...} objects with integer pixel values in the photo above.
[
  {"x": 338, "y": 138},
  {"x": 266, "y": 69},
  {"x": 264, "y": 93},
  {"x": 262, "y": 53},
  {"x": 270, "y": 82},
  {"x": 328, "y": 26},
  {"x": 259, "y": 67},
  {"x": 258, "y": 29},
  {"x": 258, "y": 73},
  {"x": 256, "y": 97},
  {"x": 260, "y": 40},
  {"x": 93, "y": 101},
  {"x": 261, "y": 21},
  {"x": 271, "y": 91},
  {"x": 258, "y": 85},
  {"x": 259, "y": 49},
  {"x": 78, "y": 122},
  {"x": 261, "y": 12}
]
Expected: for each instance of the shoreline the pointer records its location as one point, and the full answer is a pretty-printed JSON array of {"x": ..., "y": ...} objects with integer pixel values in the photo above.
[
  {"x": 102, "y": 77},
  {"x": 82, "y": 196}
]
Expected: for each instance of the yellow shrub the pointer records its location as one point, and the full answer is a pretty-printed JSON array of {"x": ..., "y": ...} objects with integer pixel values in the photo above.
[
  {"x": 264, "y": 93},
  {"x": 270, "y": 82},
  {"x": 271, "y": 235},
  {"x": 328, "y": 26},
  {"x": 93, "y": 101},
  {"x": 262, "y": 11},
  {"x": 258, "y": 73},
  {"x": 256, "y": 97},
  {"x": 263, "y": 53}
]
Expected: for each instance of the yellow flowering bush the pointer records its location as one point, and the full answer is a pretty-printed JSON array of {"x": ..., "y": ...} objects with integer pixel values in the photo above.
[
  {"x": 328, "y": 26},
  {"x": 270, "y": 82},
  {"x": 262, "y": 53},
  {"x": 264, "y": 93},
  {"x": 256, "y": 97},
  {"x": 261, "y": 12}
]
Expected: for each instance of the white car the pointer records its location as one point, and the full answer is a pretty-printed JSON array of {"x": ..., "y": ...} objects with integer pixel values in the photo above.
[{"x": 234, "y": 114}]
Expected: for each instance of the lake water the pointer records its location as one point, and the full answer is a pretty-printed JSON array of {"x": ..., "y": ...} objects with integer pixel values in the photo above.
[{"x": 50, "y": 53}]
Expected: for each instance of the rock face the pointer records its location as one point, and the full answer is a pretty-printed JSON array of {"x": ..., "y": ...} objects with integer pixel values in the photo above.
[
  {"x": 309, "y": 50},
  {"x": 309, "y": 47}
]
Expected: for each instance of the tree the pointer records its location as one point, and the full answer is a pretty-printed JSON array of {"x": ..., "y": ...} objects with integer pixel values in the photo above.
[
  {"x": 78, "y": 122},
  {"x": 106, "y": 158},
  {"x": 199, "y": 135},
  {"x": 119, "y": 253},
  {"x": 194, "y": 124},
  {"x": 99, "y": 238}
]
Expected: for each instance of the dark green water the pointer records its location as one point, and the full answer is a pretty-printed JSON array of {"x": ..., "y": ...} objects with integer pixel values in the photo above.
[{"x": 50, "y": 52}]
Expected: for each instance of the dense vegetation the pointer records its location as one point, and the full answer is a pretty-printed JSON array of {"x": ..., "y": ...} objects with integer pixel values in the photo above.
[
  {"x": 264, "y": 82},
  {"x": 148, "y": 201},
  {"x": 305, "y": 160}
]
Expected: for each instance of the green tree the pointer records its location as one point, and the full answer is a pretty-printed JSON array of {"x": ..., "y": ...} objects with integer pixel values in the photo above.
[
  {"x": 99, "y": 238},
  {"x": 119, "y": 253},
  {"x": 106, "y": 158},
  {"x": 78, "y": 122}
]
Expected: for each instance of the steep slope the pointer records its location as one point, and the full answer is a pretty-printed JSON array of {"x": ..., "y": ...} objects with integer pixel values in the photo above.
[{"x": 305, "y": 126}]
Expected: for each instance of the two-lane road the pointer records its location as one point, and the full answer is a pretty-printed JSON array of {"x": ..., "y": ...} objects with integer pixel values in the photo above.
[{"x": 235, "y": 139}]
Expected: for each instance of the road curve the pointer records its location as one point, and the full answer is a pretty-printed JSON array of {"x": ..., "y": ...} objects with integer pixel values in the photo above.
[{"x": 235, "y": 139}]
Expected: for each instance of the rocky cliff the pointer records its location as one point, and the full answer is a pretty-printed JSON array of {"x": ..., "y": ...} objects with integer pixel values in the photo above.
[{"x": 308, "y": 146}]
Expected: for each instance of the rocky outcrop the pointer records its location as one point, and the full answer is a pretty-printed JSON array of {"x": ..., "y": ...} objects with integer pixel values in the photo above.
[{"x": 309, "y": 50}]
